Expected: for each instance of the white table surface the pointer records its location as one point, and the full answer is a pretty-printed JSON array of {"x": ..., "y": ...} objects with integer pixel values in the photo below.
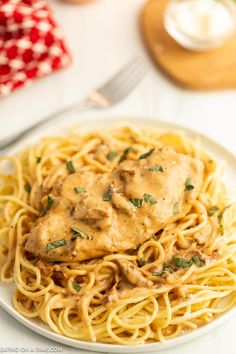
[{"x": 102, "y": 36}]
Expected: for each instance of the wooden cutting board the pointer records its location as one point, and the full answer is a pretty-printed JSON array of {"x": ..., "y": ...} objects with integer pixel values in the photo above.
[{"x": 212, "y": 70}]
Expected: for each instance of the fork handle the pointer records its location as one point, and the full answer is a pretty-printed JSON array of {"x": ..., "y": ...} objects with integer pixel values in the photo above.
[{"x": 87, "y": 104}]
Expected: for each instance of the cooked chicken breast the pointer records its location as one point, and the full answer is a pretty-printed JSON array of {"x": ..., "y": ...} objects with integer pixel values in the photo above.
[{"x": 93, "y": 215}]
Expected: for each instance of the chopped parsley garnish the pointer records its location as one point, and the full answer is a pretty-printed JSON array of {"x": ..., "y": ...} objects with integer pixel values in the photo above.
[
  {"x": 181, "y": 262},
  {"x": 125, "y": 153},
  {"x": 149, "y": 199},
  {"x": 55, "y": 244},
  {"x": 189, "y": 185},
  {"x": 197, "y": 261},
  {"x": 138, "y": 246},
  {"x": 111, "y": 155},
  {"x": 147, "y": 154},
  {"x": 186, "y": 263},
  {"x": 176, "y": 208},
  {"x": 27, "y": 187},
  {"x": 76, "y": 285},
  {"x": 70, "y": 167},
  {"x": 79, "y": 190},
  {"x": 212, "y": 210},
  {"x": 220, "y": 216},
  {"x": 157, "y": 274},
  {"x": 142, "y": 262},
  {"x": 165, "y": 270},
  {"x": 79, "y": 233},
  {"x": 107, "y": 195},
  {"x": 137, "y": 202},
  {"x": 156, "y": 168},
  {"x": 48, "y": 205},
  {"x": 221, "y": 228}
]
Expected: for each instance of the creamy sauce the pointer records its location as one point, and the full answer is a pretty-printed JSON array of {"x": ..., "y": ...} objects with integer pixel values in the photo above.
[
  {"x": 117, "y": 224},
  {"x": 200, "y": 24},
  {"x": 202, "y": 19}
]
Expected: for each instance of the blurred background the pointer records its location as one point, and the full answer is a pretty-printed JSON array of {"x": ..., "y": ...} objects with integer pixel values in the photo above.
[{"x": 101, "y": 36}]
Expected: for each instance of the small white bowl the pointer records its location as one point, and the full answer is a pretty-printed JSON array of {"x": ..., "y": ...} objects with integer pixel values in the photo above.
[{"x": 186, "y": 37}]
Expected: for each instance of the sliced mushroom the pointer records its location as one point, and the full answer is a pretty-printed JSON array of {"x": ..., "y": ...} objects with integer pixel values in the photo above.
[{"x": 133, "y": 274}]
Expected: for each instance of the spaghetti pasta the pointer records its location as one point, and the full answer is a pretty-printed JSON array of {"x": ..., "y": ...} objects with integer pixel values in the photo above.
[{"x": 84, "y": 300}]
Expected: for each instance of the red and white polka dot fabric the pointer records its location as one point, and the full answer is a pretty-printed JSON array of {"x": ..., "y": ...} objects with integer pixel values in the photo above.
[{"x": 31, "y": 44}]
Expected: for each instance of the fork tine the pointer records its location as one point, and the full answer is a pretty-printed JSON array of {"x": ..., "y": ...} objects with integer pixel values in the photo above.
[
  {"x": 132, "y": 81},
  {"x": 121, "y": 74},
  {"x": 134, "y": 71},
  {"x": 110, "y": 93},
  {"x": 124, "y": 81}
]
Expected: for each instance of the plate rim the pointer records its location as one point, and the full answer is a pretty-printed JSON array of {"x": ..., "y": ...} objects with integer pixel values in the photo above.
[{"x": 104, "y": 347}]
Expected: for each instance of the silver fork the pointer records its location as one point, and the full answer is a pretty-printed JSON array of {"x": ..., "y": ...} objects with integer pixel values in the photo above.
[{"x": 107, "y": 95}]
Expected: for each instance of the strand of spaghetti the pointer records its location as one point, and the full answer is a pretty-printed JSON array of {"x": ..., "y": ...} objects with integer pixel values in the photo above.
[
  {"x": 47, "y": 309},
  {"x": 96, "y": 164},
  {"x": 160, "y": 336},
  {"x": 168, "y": 310},
  {"x": 107, "y": 264},
  {"x": 143, "y": 321},
  {"x": 85, "y": 300},
  {"x": 196, "y": 314},
  {"x": 17, "y": 219},
  {"x": 209, "y": 295},
  {"x": 158, "y": 247},
  {"x": 202, "y": 287},
  {"x": 19, "y": 260},
  {"x": 217, "y": 272},
  {"x": 91, "y": 282},
  {"x": 19, "y": 202},
  {"x": 119, "y": 256},
  {"x": 215, "y": 185},
  {"x": 190, "y": 324},
  {"x": 18, "y": 168},
  {"x": 202, "y": 215},
  {"x": 21, "y": 309},
  {"x": 38, "y": 293},
  {"x": 175, "y": 333},
  {"x": 69, "y": 331},
  {"x": 111, "y": 332}
]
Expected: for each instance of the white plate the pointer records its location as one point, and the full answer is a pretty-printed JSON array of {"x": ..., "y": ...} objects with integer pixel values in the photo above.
[{"x": 94, "y": 121}]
